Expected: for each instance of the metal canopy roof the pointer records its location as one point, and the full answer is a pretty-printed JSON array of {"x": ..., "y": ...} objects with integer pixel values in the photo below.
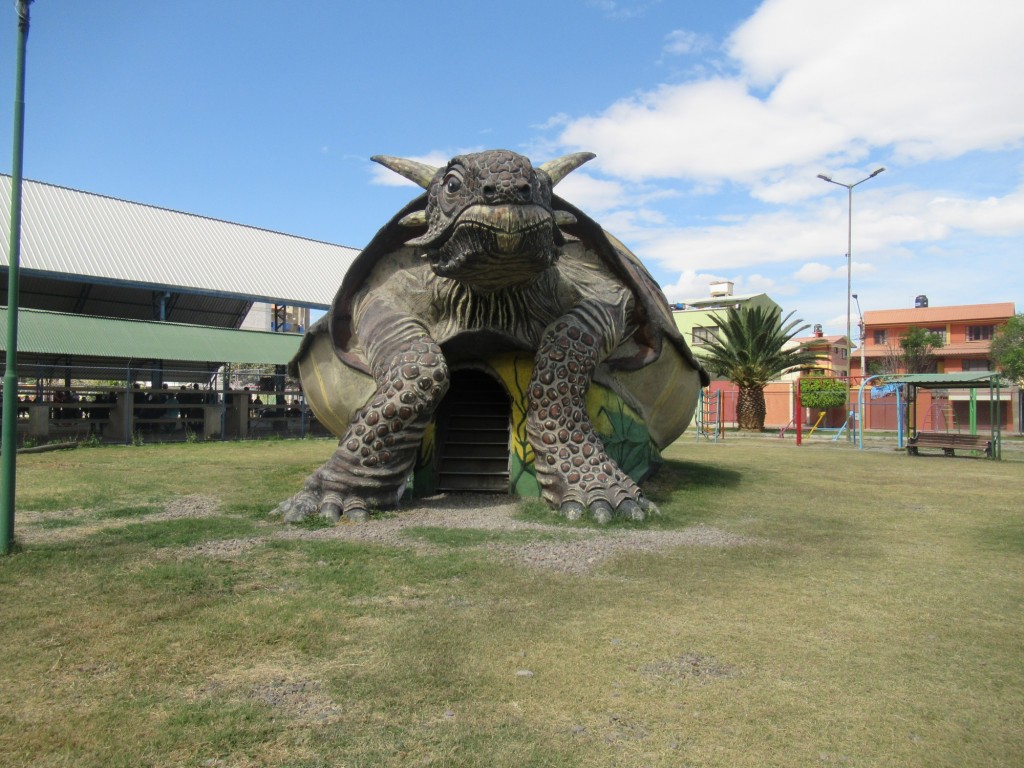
[
  {"x": 964, "y": 380},
  {"x": 993, "y": 380},
  {"x": 94, "y": 240},
  {"x": 57, "y": 339},
  {"x": 56, "y": 293}
]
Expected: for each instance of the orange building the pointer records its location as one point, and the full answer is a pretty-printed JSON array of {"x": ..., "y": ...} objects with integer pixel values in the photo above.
[
  {"x": 831, "y": 351},
  {"x": 966, "y": 331}
]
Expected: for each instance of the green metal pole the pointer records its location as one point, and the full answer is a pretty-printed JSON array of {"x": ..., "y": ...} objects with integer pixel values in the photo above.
[
  {"x": 8, "y": 448},
  {"x": 973, "y": 413}
]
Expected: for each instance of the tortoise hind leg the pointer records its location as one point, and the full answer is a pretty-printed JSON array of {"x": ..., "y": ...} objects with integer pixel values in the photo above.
[{"x": 370, "y": 467}]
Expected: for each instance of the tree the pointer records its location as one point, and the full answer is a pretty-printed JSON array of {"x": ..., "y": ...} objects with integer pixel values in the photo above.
[
  {"x": 750, "y": 352},
  {"x": 915, "y": 353},
  {"x": 1008, "y": 348},
  {"x": 918, "y": 350}
]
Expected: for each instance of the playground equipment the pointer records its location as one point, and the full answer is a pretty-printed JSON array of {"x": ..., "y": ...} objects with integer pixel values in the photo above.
[
  {"x": 709, "y": 415},
  {"x": 838, "y": 430},
  {"x": 970, "y": 380},
  {"x": 941, "y": 417}
]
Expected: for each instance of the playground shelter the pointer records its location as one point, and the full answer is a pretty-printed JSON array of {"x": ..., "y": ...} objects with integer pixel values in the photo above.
[{"x": 906, "y": 386}]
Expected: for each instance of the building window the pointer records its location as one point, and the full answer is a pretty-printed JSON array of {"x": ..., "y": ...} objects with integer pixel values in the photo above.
[
  {"x": 702, "y": 335},
  {"x": 980, "y": 332},
  {"x": 976, "y": 365},
  {"x": 940, "y": 332},
  {"x": 881, "y": 338}
]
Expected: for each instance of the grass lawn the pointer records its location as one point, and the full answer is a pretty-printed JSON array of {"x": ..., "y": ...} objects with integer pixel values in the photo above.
[{"x": 155, "y": 616}]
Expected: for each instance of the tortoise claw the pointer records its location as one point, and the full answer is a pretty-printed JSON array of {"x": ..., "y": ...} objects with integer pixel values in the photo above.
[
  {"x": 631, "y": 510},
  {"x": 572, "y": 510},
  {"x": 601, "y": 511}
]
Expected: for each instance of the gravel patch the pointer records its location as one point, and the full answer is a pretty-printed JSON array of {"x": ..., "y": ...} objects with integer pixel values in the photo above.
[
  {"x": 569, "y": 550},
  {"x": 194, "y": 505},
  {"x": 689, "y": 666},
  {"x": 576, "y": 550},
  {"x": 583, "y": 555}
]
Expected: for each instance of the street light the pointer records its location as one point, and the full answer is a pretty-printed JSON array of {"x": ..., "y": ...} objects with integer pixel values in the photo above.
[
  {"x": 849, "y": 278},
  {"x": 9, "y": 409}
]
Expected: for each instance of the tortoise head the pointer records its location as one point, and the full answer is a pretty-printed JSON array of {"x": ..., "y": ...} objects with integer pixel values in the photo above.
[{"x": 489, "y": 218}]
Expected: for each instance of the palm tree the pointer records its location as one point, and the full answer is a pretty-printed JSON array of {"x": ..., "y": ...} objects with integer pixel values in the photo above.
[{"x": 750, "y": 352}]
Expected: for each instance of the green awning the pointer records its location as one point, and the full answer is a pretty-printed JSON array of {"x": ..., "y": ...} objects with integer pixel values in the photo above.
[
  {"x": 69, "y": 337},
  {"x": 964, "y": 379}
]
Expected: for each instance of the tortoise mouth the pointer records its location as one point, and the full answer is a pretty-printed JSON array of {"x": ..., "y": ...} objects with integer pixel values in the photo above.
[{"x": 494, "y": 247}]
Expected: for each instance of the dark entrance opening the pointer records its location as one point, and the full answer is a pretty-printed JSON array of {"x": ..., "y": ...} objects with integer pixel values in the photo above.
[{"x": 473, "y": 423}]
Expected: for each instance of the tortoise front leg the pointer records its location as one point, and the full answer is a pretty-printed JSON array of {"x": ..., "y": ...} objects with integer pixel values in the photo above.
[
  {"x": 374, "y": 457},
  {"x": 573, "y": 469}
]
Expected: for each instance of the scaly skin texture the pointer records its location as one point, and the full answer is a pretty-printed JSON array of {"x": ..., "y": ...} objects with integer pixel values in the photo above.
[
  {"x": 485, "y": 260},
  {"x": 573, "y": 470},
  {"x": 373, "y": 459}
]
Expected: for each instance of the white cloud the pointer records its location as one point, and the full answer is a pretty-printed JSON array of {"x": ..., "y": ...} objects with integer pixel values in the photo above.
[
  {"x": 683, "y": 42},
  {"x": 991, "y": 216},
  {"x": 590, "y": 194},
  {"x": 926, "y": 76},
  {"x": 711, "y": 130},
  {"x": 690, "y": 285},
  {"x": 814, "y": 236},
  {"x": 819, "y": 82},
  {"x": 816, "y": 273},
  {"x": 759, "y": 284},
  {"x": 620, "y": 10}
]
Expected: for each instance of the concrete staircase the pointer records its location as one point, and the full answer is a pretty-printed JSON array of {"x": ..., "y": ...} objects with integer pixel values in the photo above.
[{"x": 473, "y": 438}]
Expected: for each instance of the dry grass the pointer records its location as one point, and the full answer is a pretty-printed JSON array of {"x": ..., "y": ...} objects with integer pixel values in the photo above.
[{"x": 866, "y": 612}]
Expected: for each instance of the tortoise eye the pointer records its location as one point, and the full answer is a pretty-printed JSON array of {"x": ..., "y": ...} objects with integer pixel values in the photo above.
[{"x": 452, "y": 183}]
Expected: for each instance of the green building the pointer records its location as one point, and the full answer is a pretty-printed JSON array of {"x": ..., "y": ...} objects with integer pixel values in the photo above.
[{"x": 695, "y": 318}]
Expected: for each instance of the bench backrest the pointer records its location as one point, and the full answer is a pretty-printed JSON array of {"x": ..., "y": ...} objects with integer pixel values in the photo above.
[{"x": 950, "y": 439}]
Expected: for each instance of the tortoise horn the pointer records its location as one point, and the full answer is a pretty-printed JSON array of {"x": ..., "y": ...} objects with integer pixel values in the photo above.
[
  {"x": 413, "y": 170},
  {"x": 561, "y": 167}
]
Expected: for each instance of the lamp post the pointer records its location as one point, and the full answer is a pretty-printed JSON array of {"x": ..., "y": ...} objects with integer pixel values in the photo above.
[
  {"x": 849, "y": 278},
  {"x": 9, "y": 429}
]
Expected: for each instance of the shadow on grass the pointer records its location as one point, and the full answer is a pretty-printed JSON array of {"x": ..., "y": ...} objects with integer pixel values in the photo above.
[
  {"x": 1008, "y": 537},
  {"x": 689, "y": 475},
  {"x": 680, "y": 489}
]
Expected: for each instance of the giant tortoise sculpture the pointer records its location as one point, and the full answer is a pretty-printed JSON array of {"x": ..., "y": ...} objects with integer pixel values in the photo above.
[{"x": 489, "y": 259}]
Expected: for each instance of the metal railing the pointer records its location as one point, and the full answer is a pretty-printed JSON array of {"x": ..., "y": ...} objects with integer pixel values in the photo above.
[{"x": 160, "y": 405}]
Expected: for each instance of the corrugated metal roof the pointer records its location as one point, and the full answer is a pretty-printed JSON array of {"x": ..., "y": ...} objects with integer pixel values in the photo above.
[
  {"x": 128, "y": 302},
  {"x": 85, "y": 235},
  {"x": 918, "y": 315},
  {"x": 70, "y": 336},
  {"x": 724, "y": 301},
  {"x": 966, "y": 379}
]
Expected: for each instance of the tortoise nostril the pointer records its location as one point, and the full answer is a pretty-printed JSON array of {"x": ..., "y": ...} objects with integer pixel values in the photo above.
[
  {"x": 490, "y": 192},
  {"x": 525, "y": 191}
]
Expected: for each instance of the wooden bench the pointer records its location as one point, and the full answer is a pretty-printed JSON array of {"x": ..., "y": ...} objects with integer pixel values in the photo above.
[{"x": 948, "y": 442}]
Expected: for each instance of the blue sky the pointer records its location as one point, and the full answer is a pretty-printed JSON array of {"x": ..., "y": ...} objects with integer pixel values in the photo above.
[{"x": 710, "y": 120}]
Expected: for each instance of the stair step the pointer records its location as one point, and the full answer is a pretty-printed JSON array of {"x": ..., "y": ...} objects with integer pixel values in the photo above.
[
  {"x": 486, "y": 483},
  {"x": 476, "y": 465},
  {"x": 475, "y": 437},
  {"x": 476, "y": 451}
]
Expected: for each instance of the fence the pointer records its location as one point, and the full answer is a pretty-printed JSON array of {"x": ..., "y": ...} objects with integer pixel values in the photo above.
[
  {"x": 934, "y": 410},
  {"x": 160, "y": 405}
]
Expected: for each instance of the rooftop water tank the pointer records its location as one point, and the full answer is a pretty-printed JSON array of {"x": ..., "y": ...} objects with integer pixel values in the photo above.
[
  {"x": 921, "y": 302},
  {"x": 721, "y": 288}
]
